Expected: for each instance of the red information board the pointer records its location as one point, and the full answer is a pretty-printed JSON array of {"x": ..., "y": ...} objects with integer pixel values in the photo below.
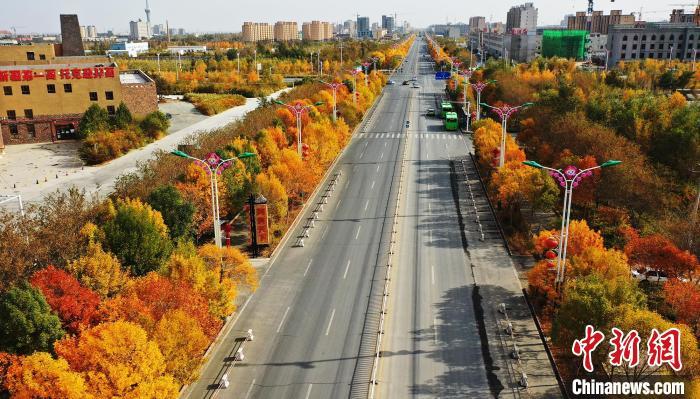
[{"x": 261, "y": 224}]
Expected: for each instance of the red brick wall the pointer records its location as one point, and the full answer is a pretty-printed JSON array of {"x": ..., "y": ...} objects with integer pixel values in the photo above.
[
  {"x": 141, "y": 99},
  {"x": 43, "y": 134}
]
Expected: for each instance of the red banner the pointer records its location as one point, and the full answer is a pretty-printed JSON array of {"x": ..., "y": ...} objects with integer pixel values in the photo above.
[
  {"x": 261, "y": 224},
  {"x": 26, "y": 75}
]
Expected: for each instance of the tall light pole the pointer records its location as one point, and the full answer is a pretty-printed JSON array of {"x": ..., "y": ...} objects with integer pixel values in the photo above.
[
  {"x": 569, "y": 178},
  {"x": 238, "y": 61},
  {"x": 255, "y": 60},
  {"x": 374, "y": 63},
  {"x": 607, "y": 54},
  {"x": 354, "y": 73},
  {"x": 467, "y": 74},
  {"x": 365, "y": 67},
  {"x": 695, "y": 55},
  {"x": 298, "y": 110},
  {"x": 214, "y": 166},
  {"x": 334, "y": 86},
  {"x": 504, "y": 112},
  {"x": 479, "y": 87}
]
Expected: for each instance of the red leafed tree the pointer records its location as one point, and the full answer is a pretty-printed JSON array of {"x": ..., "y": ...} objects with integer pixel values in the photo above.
[
  {"x": 658, "y": 252},
  {"x": 74, "y": 304},
  {"x": 684, "y": 300}
]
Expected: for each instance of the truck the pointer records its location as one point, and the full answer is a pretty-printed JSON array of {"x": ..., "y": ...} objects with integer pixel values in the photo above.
[{"x": 451, "y": 121}]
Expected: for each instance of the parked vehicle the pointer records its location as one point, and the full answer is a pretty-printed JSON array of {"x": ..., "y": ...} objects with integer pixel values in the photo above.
[
  {"x": 431, "y": 112},
  {"x": 390, "y": 83},
  {"x": 651, "y": 275}
]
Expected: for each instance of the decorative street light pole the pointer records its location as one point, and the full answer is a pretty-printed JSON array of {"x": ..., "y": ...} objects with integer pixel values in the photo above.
[
  {"x": 479, "y": 87},
  {"x": 298, "y": 110},
  {"x": 354, "y": 73},
  {"x": 569, "y": 178},
  {"x": 335, "y": 87},
  {"x": 374, "y": 63},
  {"x": 467, "y": 74},
  {"x": 504, "y": 112},
  {"x": 365, "y": 67},
  {"x": 214, "y": 166}
]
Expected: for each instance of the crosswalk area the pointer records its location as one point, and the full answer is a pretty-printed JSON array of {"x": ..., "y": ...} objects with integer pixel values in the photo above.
[{"x": 433, "y": 136}]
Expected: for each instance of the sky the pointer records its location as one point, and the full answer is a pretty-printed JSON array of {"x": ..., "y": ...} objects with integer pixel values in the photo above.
[{"x": 41, "y": 16}]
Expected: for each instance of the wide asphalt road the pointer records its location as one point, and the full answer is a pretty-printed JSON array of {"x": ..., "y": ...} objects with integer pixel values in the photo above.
[{"x": 315, "y": 313}]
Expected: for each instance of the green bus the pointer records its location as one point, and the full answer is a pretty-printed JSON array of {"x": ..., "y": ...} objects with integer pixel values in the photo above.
[
  {"x": 445, "y": 107},
  {"x": 451, "y": 121}
]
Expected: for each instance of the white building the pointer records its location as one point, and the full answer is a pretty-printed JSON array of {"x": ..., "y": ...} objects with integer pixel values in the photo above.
[
  {"x": 139, "y": 30},
  {"x": 131, "y": 49},
  {"x": 187, "y": 49}
]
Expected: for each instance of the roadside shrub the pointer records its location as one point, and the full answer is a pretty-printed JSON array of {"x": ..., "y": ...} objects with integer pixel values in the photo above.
[
  {"x": 212, "y": 104},
  {"x": 154, "y": 125},
  {"x": 104, "y": 146},
  {"x": 95, "y": 119}
]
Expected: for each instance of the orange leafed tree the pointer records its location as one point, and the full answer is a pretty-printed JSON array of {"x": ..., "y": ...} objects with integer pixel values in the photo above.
[
  {"x": 684, "y": 300},
  {"x": 581, "y": 237},
  {"x": 41, "y": 376},
  {"x": 182, "y": 343},
  {"x": 658, "y": 252}
]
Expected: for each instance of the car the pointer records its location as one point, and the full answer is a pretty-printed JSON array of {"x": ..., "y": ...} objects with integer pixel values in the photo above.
[
  {"x": 391, "y": 82},
  {"x": 651, "y": 275},
  {"x": 431, "y": 112},
  {"x": 405, "y": 83},
  {"x": 416, "y": 86}
]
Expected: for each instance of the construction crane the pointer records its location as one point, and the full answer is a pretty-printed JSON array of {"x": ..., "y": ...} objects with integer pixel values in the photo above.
[{"x": 14, "y": 29}]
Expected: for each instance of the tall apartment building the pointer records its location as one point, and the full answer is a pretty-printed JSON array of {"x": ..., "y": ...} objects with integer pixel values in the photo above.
[
  {"x": 286, "y": 31},
  {"x": 600, "y": 23},
  {"x": 350, "y": 28},
  {"x": 388, "y": 23},
  {"x": 522, "y": 17},
  {"x": 680, "y": 41},
  {"x": 139, "y": 30},
  {"x": 363, "y": 29},
  {"x": 477, "y": 24},
  {"x": 257, "y": 31},
  {"x": 317, "y": 31},
  {"x": 679, "y": 16}
]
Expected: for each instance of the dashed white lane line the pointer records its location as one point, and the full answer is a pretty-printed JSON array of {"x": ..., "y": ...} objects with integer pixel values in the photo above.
[
  {"x": 381, "y": 156},
  {"x": 330, "y": 322},
  {"x": 307, "y": 267},
  {"x": 435, "y": 327},
  {"x": 372, "y": 184},
  {"x": 308, "y": 391},
  {"x": 428, "y": 207},
  {"x": 324, "y": 232},
  {"x": 250, "y": 388},
  {"x": 358, "y": 231},
  {"x": 347, "y": 267},
  {"x": 362, "y": 154},
  {"x": 378, "y": 167},
  {"x": 432, "y": 275},
  {"x": 366, "y": 205},
  {"x": 338, "y": 204},
  {"x": 284, "y": 316}
]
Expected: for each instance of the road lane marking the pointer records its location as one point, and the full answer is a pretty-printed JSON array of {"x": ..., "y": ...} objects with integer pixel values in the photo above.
[
  {"x": 372, "y": 184},
  {"x": 324, "y": 233},
  {"x": 358, "y": 231},
  {"x": 432, "y": 275},
  {"x": 366, "y": 205},
  {"x": 307, "y": 267},
  {"x": 328, "y": 329},
  {"x": 308, "y": 391},
  {"x": 378, "y": 167},
  {"x": 338, "y": 204},
  {"x": 250, "y": 388},
  {"x": 385, "y": 144},
  {"x": 381, "y": 156},
  {"x": 362, "y": 154},
  {"x": 347, "y": 267},
  {"x": 428, "y": 206},
  {"x": 284, "y": 316},
  {"x": 430, "y": 235}
]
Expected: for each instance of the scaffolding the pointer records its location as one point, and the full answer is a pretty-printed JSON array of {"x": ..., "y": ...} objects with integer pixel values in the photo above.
[{"x": 570, "y": 44}]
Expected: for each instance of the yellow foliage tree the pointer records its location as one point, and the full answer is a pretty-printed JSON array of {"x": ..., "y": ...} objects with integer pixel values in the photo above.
[
  {"x": 182, "y": 343},
  {"x": 100, "y": 271},
  {"x": 235, "y": 264},
  {"x": 41, "y": 376}
]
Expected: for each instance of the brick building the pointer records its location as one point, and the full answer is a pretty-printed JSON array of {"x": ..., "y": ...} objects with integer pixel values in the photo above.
[{"x": 43, "y": 97}]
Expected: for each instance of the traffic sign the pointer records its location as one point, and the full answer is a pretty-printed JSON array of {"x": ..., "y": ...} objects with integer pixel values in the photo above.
[{"x": 442, "y": 75}]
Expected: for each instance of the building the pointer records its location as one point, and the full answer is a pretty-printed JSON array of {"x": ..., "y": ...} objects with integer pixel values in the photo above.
[
  {"x": 599, "y": 23},
  {"x": 379, "y": 32},
  {"x": 678, "y": 16},
  {"x": 182, "y": 50},
  {"x": 72, "y": 40},
  {"x": 350, "y": 28},
  {"x": 129, "y": 49},
  {"x": 450, "y": 30},
  {"x": 388, "y": 23},
  {"x": 565, "y": 43},
  {"x": 317, "y": 31},
  {"x": 497, "y": 27},
  {"x": 523, "y": 17},
  {"x": 159, "y": 30},
  {"x": 477, "y": 24},
  {"x": 257, "y": 31},
  {"x": 522, "y": 46},
  {"x": 91, "y": 32},
  {"x": 363, "y": 29},
  {"x": 653, "y": 40},
  {"x": 286, "y": 31},
  {"x": 138, "y": 30},
  {"x": 597, "y": 44},
  {"x": 43, "y": 100}
]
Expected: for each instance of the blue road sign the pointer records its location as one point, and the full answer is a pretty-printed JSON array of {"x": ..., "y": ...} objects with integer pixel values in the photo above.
[{"x": 442, "y": 75}]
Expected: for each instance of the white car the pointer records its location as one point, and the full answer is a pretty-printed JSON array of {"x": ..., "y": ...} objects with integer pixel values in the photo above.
[{"x": 651, "y": 275}]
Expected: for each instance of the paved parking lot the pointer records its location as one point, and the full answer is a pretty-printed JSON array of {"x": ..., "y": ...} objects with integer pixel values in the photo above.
[{"x": 22, "y": 165}]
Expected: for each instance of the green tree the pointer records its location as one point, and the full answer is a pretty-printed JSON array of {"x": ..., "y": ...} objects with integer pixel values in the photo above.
[
  {"x": 177, "y": 213},
  {"x": 155, "y": 124},
  {"x": 28, "y": 325},
  {"x": 122, "y": 118},
  {"x": 94, "y": 120},
  {"x": 138, "y": 237}
]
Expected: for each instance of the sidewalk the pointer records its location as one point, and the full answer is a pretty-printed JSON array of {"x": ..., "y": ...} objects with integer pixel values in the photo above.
[{"x": 100, "y": 179}]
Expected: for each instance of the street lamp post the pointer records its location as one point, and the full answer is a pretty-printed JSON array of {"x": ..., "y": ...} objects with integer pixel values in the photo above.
[
  {"x": 334, "y": 86},
  {"x": 479, "y": 87},
  {"x": 298, "y": 110},
  {"x": 214, "y": 166},
  {"x": 607, "y": 54},
  {"x": 467, "y": 74},
  {"x": 374, "y": 63},
  {"x": 569, "y": 178},
  {"x": 238, "y": 61},
  {"x": 695, "y": 55},
  {"x": 354, "y": 73},
  {"x": 365, "y": 68},
  {"x": 504, "y": 112}
]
